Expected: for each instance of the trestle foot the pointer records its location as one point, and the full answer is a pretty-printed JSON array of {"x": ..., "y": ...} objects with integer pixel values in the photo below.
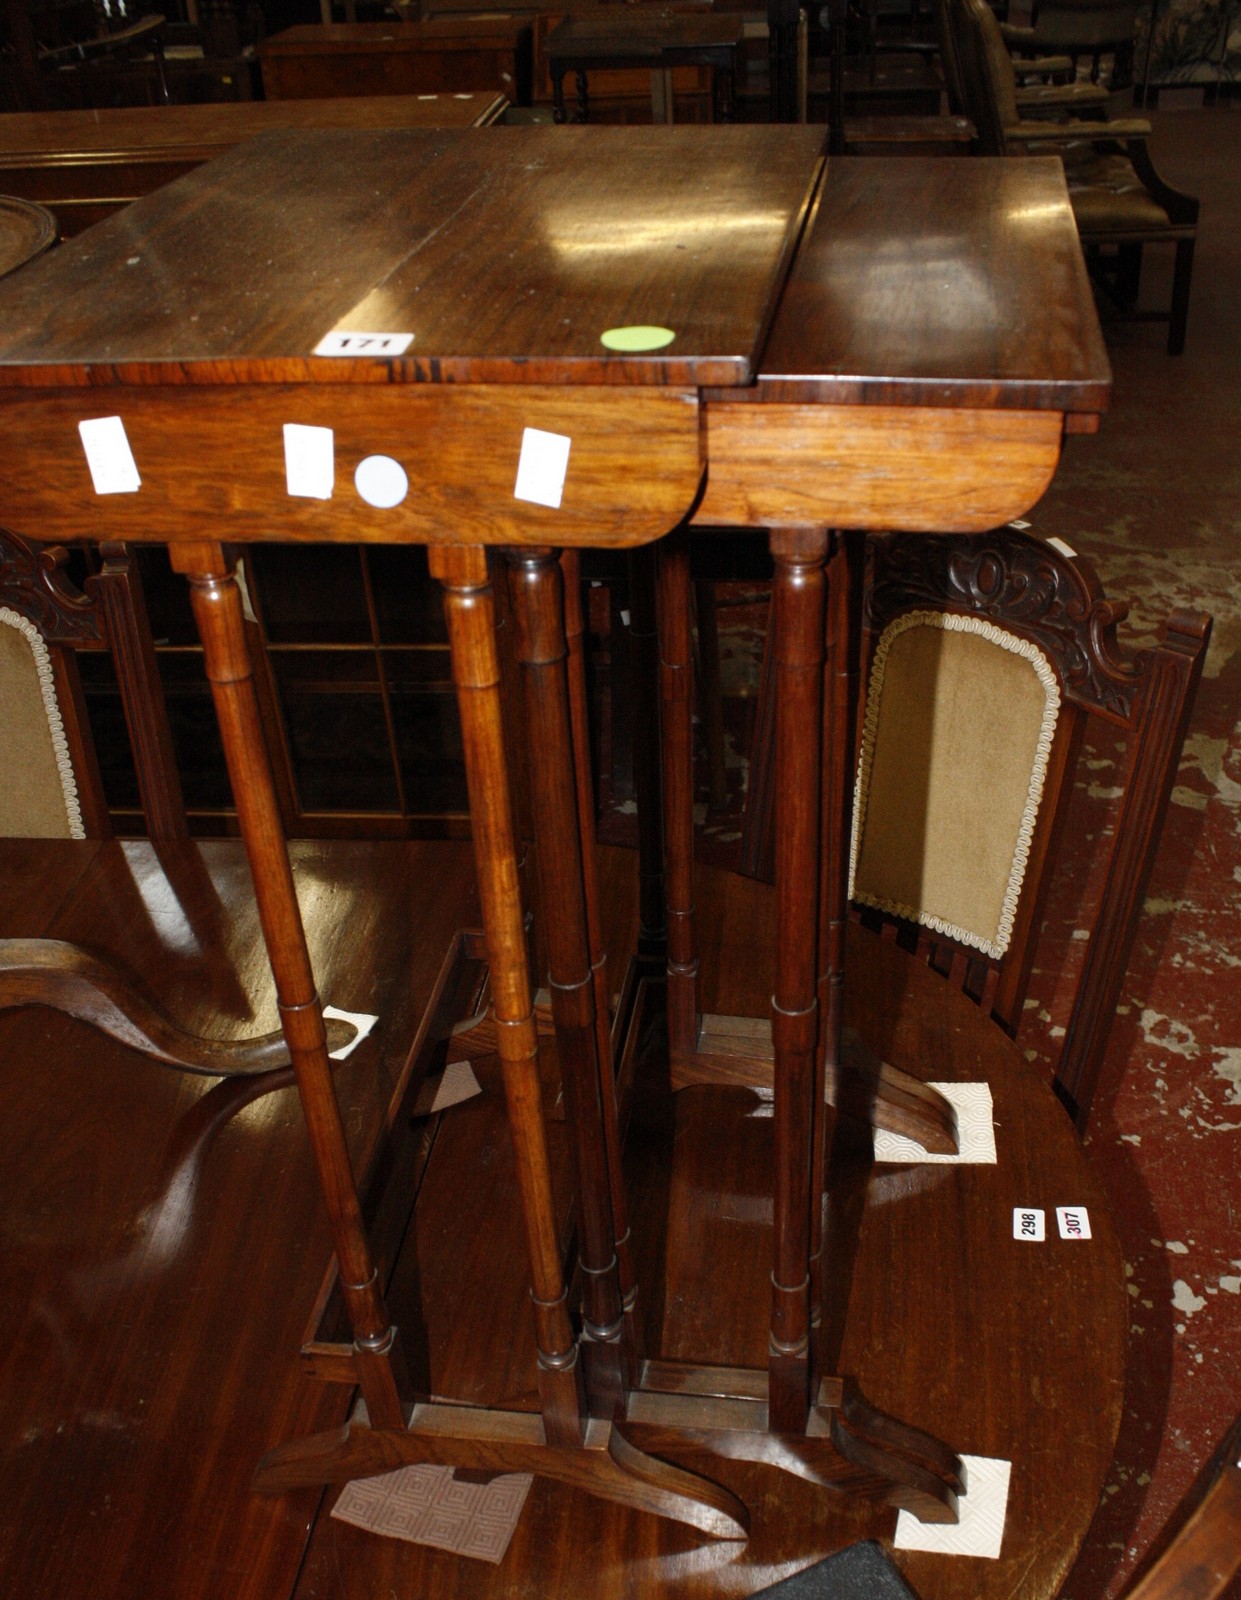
[
  {"x": 605, "y": 1464},
  {"x": 737, "y": 1052}
]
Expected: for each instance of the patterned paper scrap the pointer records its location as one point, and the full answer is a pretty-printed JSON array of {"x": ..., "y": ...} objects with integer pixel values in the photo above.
[
  {"x": 979, "y": 1530},
  {"x": 427, "y": 1505},
  {"x": 975, "y": 1130}
]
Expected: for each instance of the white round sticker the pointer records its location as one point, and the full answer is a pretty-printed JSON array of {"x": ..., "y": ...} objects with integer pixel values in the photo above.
[{"x": 381, "y": 482}]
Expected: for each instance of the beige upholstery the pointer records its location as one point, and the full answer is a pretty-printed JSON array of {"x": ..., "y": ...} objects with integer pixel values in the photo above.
[
  {"x": 38, "y": 794},
  {"x": 957, "y": 734}
]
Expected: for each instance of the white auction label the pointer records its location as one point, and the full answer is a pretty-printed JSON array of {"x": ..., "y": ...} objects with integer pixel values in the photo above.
[
  {"x": 541, "y": 468},
  {"x": 381, "y": 482},
  {"x": 1029, "y": 1223},
  {"x": 1074, "y": 1222},
  {"x": 112, "y": 466},
  {"x": 364, "y": 344},
  {"x": 309, "y": 461}
]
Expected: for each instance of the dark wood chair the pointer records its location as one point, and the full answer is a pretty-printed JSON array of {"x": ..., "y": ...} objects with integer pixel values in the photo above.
[
  {"x": 54, "y": 787},
  {"x": 985, "y": 657},
  {"x": 1042, "y": 87},
  {"x": 1094, "y": 28},
  {"x": 53, "y": 790},
  {"x": 56, "y": 46},
  {"x": 1201, "y": 1551},
  {"x": 1120, "y": 202}
]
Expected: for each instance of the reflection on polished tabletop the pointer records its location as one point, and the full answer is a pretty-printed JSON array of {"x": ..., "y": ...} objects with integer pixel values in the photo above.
[
  {"x": 87, "y": 164},
  {"x": 477, "y": 293}
]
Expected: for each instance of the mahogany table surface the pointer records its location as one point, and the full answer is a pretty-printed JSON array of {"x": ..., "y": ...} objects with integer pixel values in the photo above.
[
  {"x": 506, "y": 257},
  {"x": 87, "y": 164},
  {"x": 164, "y": 1244},
  {"x": 203, "y": 131},
  {"x": 336, "y": 38}
]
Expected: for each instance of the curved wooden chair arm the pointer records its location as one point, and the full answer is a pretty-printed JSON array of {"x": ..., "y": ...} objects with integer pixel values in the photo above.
[
  {"x": 146, "y": 29},
  {"x": 1181, "y": 207}
]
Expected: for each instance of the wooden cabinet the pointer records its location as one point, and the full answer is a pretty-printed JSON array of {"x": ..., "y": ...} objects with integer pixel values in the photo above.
[{"x": 447, "y": 55}]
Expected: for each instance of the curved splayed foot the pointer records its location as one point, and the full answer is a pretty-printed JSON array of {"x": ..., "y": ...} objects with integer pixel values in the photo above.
[{"x": 50, "y": 972}]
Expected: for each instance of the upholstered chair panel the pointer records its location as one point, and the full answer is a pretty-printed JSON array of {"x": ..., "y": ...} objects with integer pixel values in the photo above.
[
  {"x": 38, "y": 792},
  {"x": 958, "y": 728}
]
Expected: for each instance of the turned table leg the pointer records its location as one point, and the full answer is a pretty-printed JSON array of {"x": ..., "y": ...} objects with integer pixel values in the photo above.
[
  {"x": 579, "y": 716},
  {"x": 469, "y": 606},
  {"x": 676, "y": 687},
  {"x": 217, "y": 610},
  {"x": 798, "y": 616},
  {"x": 562, "y": 870}
]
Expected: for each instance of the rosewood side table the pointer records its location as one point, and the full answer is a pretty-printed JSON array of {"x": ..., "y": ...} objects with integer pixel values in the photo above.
[{"x": 423, "y": 346}]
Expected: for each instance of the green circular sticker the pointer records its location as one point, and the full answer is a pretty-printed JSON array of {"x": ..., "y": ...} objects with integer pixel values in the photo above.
[{"x": 630, "y": 341}]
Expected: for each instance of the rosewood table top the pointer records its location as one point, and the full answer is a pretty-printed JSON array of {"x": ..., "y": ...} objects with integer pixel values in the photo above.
[{"x": 501, "y": 262}]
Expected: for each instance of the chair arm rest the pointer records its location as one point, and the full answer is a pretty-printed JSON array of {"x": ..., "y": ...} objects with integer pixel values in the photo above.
[
  {"x": 1133, "y": 128},
  {"x": 1017, "y": 38},
  {"x": 1043, "y": 66}
]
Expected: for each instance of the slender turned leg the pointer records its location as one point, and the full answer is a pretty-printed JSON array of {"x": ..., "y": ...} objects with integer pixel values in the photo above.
[
  {"x": 217, "y": 610},
  {"x": 570, "y": 567},
  {"x": 798, "y": 621},
  {"x": 676, "y": 687},
  {"x": 469, "y": 607},
  {"x": 538, "y": 609},
  {"x": 644, "y": 688},
  {"x": 710, "y": 699},
  {"x": 837, "y": 788}
]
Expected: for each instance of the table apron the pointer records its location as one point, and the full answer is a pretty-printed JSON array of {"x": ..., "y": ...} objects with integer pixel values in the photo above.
[
  {"x": 212, "y": 463},
  {"x": 911, "y": 468}
]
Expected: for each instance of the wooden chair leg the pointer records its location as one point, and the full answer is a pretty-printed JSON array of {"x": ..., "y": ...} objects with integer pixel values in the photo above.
[{"x": 1182, "y": 273}]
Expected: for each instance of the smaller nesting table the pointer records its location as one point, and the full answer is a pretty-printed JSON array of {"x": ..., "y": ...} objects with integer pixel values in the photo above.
[{"x": 659, "y": 40}]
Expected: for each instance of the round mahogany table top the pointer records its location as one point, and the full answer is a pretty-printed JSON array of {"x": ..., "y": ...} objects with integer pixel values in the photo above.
[
  {"x": 26, "y": 231},
  {"x": 1006, "y": 1349}
]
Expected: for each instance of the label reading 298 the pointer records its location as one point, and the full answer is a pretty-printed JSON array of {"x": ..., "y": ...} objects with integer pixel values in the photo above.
[{"x": 1029, "y": 1224}]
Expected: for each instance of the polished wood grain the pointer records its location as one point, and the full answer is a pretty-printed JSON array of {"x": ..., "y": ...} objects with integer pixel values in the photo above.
[
  {"x": 460, "y": 446},
  {"x": 84, "y": 165},
  {"x": 512, "y": 265},
  {"x": 542, "y": 652},
  {"x": 164, "y": 1234},
  {"x": 560, "y": 236},
  {"x": 991, "y": 309},
  {"x": 876, "y": 466}
]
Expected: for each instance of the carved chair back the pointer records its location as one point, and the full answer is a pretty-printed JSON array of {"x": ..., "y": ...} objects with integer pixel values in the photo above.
[
  {"x": 53, "y": 787},
  {"x": 986, "y": 657}
]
